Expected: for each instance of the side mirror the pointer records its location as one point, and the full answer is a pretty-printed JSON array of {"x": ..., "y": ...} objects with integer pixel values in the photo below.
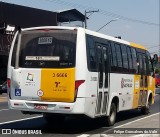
[{"x": 155, "y": 59}]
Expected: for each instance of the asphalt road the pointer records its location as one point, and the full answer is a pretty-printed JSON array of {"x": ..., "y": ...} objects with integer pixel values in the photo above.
[{"x": 71, "y": 126}]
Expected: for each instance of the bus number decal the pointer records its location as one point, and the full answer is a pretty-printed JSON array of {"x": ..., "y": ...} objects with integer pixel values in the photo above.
[
  {"x": 93, "y": 78},
  {"x": 60, "y": 75},
  {"x": 45, "y": 40}
]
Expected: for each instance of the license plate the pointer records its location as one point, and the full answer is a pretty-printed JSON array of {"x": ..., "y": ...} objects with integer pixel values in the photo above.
[{"x": 41, "y": 106}]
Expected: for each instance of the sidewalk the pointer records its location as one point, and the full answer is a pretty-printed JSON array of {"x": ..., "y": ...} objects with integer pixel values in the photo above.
[{"x": 144, "y": 127}]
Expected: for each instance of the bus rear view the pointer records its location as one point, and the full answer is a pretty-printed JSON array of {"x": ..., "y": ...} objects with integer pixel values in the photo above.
[{"x": 41, "y": 70}]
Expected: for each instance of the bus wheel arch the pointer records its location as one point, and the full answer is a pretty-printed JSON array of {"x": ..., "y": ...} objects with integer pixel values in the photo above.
[
  {"x": 111, "y": 118},
  {"x": 146, "y": 109},
  {"x": 150, "y": 98}
]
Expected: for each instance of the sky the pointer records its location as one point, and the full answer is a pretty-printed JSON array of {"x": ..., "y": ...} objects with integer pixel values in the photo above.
[{"x": 136, "y": 20}]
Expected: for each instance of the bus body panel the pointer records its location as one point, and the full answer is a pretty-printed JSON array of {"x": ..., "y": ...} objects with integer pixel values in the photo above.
[
  {"x": 43, "y": 85},
  {"x": 81, "y": 64},
  {"x": 124, "y": 89},
  {"x": 58, "y": 84},
  {"x": 56, "y": 87},
  {"x": 136, "y": 91},
  {"x": 25, "y": 84}
]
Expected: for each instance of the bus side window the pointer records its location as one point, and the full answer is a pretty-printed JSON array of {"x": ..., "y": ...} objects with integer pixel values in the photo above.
[
  {"x": 114, "y": 58},
  {"x": 14, "y": 53},
  {"x": 149, "y": 66},
  {"x": 134, "y": 61},
  {"x": 144, "y": 65},
  {"x": 141, "y": 71},
  {"x": 119, "y": 57},
  {"x": 91, "y": 55},
  {"x": 125, "y": 58},
  {"x": 130, "y": 64}
]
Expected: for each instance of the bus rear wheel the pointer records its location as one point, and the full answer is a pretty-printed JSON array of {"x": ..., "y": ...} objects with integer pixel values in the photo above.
[{"x": 112, "y": 115}]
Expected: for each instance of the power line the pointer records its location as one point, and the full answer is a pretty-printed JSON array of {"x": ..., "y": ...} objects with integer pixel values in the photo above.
[
  {"x": 156, "y": 52},
  {"x": 103, "y": 12},
  {"x": 152, "y": 47},
  {"x": 106, "y": 24}
]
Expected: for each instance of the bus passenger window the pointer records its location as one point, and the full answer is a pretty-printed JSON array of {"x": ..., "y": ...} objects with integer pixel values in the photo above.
[
  {"x": 91, "y": 55},
  {"x": 119, "y": 57},
  {"x": 149, "y": 66},
  {"x": 134, "y": 60},
  {"x": 141, "y": 71},
  {"x": 114, "y": 58},
  {"x": 145, "y": 65},
  {"x": 130, "y": 64},
  {"x": 125, "y": 58}
]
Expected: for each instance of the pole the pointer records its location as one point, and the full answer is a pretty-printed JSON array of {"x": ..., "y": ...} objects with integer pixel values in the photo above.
[{"x": 85, "y": 20}]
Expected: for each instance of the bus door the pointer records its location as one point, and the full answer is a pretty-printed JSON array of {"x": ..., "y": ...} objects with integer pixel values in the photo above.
[
  {"x": 143, "y": 80},
  {"x": 102, "y": 90}
]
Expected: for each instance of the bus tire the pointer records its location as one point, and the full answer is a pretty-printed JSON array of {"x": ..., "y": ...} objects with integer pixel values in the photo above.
[
  {"x": 145, "y": 110},
  {"x": 112, "y": 115},
  {"x": 49, "y": 118}
]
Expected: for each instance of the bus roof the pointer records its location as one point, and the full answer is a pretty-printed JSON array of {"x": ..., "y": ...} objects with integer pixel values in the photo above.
[
  {"x": 91, "y": 33},
  {"x": 115, "y": 39},
  {"x": 137, "y": 46}
]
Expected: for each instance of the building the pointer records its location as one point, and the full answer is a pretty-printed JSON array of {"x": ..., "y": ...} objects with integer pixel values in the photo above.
[{"x": 21, "y": 16}]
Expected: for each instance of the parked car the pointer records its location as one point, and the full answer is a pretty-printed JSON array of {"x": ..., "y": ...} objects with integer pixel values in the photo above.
[
  {"x": 3, "y": 87},
  {"x": 157, "y": 80}
]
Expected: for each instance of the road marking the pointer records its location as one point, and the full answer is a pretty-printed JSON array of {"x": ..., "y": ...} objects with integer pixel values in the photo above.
[
  {"x": 84, "y": 135},
  {"x": 8, "y": 122},
  {"x": 146, "y": 135},
  {"x": 3, "y": 99},
  {"x": 137, "y": 120},
  {"x": 3, "y": 109},
  {"x": 130, "y": 122}
]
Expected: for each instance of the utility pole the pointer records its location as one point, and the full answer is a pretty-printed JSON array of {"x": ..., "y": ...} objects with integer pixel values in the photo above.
[{"x": 86, "y": 12}]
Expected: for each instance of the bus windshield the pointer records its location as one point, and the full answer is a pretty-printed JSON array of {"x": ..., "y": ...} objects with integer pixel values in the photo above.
[{"x": 47, "y": 49}]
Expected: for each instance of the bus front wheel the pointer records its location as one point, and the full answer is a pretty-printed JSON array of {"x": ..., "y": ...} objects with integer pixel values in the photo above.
[
  {"x": 145, "y": 110},
  {"x": 112, "y": 115}
]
